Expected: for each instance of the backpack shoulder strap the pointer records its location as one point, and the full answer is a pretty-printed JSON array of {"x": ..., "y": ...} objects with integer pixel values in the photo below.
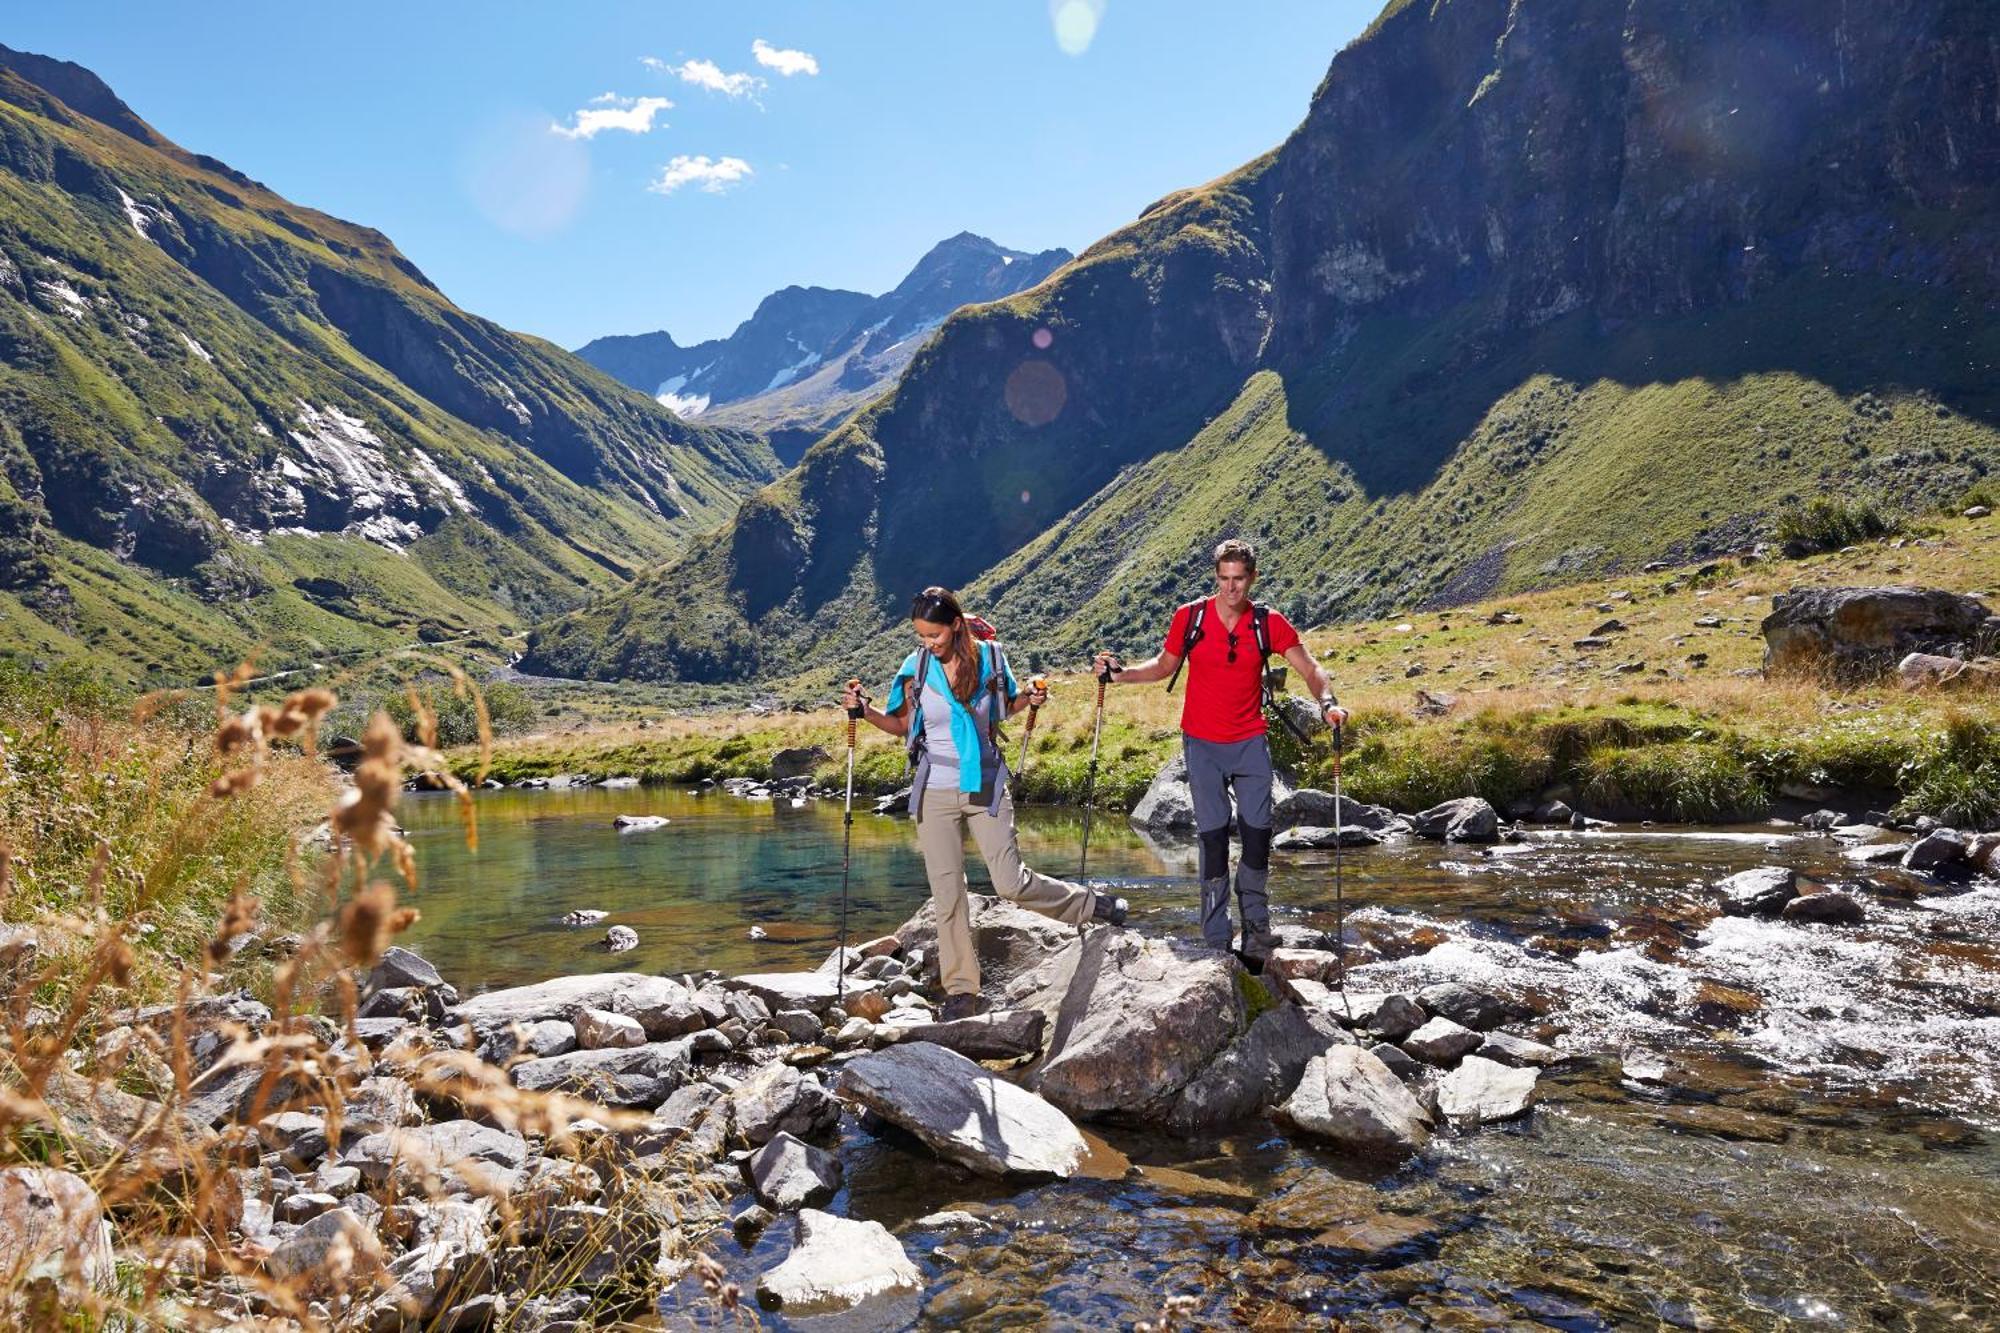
[
  {"x": 915, "y": 736},
  {"x": 996, "y": 683},
  {"x": 1260, "y": 627},
  {"x": 1190, "y": 635}
]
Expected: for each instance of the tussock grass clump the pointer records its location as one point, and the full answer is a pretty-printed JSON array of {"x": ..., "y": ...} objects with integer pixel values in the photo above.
[
  {"x": 1827, "y": 523},
  {"x": 1691, "y": 782},
  {"x": 1957, "y": 779}
]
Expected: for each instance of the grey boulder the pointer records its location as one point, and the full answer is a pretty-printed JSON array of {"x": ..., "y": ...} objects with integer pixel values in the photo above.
[
  {"x": 632, "y": 1076},
  {"x": 1760, "y": 892},
  {"x": 1483, "y": 1091},
  {"x": 1467, "y": 819},
  {"x": 1004, "y": 1034},
  {"x": 963, "y": 1113},
  {"x": 788, "y": 1173},
  {"x": 838, "y": 1264},
  {"x": 1349, "y": 1097},
  {"x": 1259, "y": 1070}
]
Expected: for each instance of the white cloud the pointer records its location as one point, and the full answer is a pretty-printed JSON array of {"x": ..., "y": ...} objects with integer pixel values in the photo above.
[
  {"x": 1075, "y": 23},
  {"x": 707, "y": 74},
  {"x": 710, "y": 176},
  {"x": 784, "y": 61},
  {"x": 609, "y": 111}
]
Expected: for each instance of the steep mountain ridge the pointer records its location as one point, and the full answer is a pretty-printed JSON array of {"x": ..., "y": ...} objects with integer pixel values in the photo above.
[
  {"x": 809, "y": 356},
  {"x": 229, "y": 421},
  {"x": 1538, "y": 288}
]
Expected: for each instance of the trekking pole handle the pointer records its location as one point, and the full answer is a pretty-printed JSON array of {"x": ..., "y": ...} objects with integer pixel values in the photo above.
[
  {"x": 855, "y": 713},
  {"x": 1037, "y": 684}
]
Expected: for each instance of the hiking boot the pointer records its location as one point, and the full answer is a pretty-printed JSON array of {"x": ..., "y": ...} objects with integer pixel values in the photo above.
[
  {"x": 959, "y": 1006},
  {"x": 1109, "y": 910}
]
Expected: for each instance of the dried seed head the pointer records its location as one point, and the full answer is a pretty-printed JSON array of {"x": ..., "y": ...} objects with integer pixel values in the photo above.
[{"x": 367, "y": 923}]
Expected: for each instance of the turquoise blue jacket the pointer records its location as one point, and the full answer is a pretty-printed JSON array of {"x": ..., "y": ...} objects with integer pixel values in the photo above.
[{"x": 965, "y": 736}]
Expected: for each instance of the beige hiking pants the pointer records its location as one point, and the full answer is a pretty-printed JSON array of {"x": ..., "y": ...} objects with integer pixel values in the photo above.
[{"x": 941, "y": 824}]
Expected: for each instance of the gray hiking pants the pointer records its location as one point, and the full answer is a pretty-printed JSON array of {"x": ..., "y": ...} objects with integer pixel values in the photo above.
[{"x": 1214, "y": 771}]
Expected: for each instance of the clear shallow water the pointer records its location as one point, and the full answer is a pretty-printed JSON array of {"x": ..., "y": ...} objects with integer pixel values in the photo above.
[{"x": 1767, "y": 1126}]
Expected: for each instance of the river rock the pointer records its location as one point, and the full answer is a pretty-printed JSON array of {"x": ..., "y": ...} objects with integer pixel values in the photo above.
[
  {"x": 1313, "y": 838},
  {"x": 1133, "y": 1020},
  {"x": 837, "y": 1264},
  {"x": 305, "y": 1207},
  {"x": 1441, "y": 1042},
  {"x": 559, "y": 997},
  {"x": 1858, "y": 633},
  {"x": 1309, "y": 808},
  {"x": 298, "y": 1138},
  {"x": 499, "y": 1044},
  {"x": 326, "y": 1253},
  {"x": 1935, "y": 851},
  {"x": 814, "y": 992},
  {"x": 1507, "y": 1049},
  {"x": 798, "y": 762},
  {"x": 1829, "y": 907},
  {"x": 400, "y": 967},
  {"x": 1483, "y": 1091},
  {"x": 600, "y": 1029},
  {"x": 583, "y": 916},
  {"x": 18, "y": 947},
  {"x": 779, "y": 1099},
  {"x": 638, "y": 823},
  {"x": 448, "y": 1264},
  {"x": 1003, "y": 1034},
  {"x": 632, "y": 1076},
  {"x": 787, "y": 1174},
  {"x": 1258, "y": 1071},
  {"x": 1350, "y": 1098},
  {"x": 1388, "y": 1015},
  {"x": 1760, "y": 892},
  {"x": 1167, "y": 804},
  {"x": 1824, "y": 820},
  {"x": 1467, "y": 819},
  {"x": 1010, "y": 939},
  {"x": 1397, "y": 1059},
  {"x": 1304, "y": 964},
  {"x": 963, "y": 1113},
  {"x": 53, "y": 1238},
  {"x": 1464, "y": 1005},
  {"x": 621, "y": 939},
  {"x": 1878, "y": 853},
  {"x": 797, "y": 1024},
  {"x": 442, "y": 1151}
]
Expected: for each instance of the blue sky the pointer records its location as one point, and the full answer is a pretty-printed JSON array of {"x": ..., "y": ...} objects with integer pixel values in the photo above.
[{"x": 1037, "y": 122}]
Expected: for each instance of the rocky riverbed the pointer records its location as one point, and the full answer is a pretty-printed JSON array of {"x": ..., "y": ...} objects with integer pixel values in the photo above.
[{"x": 1590, "y": 1075}]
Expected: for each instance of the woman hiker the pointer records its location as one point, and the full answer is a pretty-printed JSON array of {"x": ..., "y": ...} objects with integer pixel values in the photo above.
[
  {"x": 1224, "y": 640},
  {"x": 948, "y": 698}
]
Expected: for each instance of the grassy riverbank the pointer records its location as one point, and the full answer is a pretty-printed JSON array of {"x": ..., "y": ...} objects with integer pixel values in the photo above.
[
  {"x": 107, "y": 815},
  {"x": 1670, "y": 720}
]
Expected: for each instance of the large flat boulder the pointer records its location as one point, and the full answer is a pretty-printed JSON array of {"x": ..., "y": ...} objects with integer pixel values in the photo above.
[
  {"x": 1482, "y": 1091},
  {"x": 1009, "y": 939},
  {"x": 1348, "y": 1097},
  {"x": 814, "y": 992},
  {"x": 1258, "y": 1071},
  {"x": 838, "y": 1264},
  {"x": 963, "y": 1113},
  {"x": 1004, "y": 1034},
  {"x": 1133, "y": 1021},
  {"x": 1760, "y": 892},
  {"x": 630, "y": 1076},
  {"x": 455, "y": 1154},
  {"x": 558, "y": 998},
  {"x": 1467, "y": 819},
  {"x": 779, "y": 1099},
  {"x": 53, "y": 1232},
  {"x": 1858, "y": 633}
]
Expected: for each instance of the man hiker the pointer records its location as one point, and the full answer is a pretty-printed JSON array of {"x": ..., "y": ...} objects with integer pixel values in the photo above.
[{"x": 1224, "y": 640}]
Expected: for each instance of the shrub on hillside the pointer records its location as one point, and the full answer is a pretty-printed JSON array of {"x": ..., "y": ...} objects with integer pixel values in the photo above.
[{"x": 1827, "y": 523}]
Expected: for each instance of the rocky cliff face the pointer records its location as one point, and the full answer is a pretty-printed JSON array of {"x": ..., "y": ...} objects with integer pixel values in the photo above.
[
  {"x": 225, "y": 418},
  {"x": 1467, "y": 329}
]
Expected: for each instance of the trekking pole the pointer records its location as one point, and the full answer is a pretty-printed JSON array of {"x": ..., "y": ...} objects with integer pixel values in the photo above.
[
  {"x": 1090, "y": 781},
  {"x": 1339, "y": 893},
  {"x": 847, "y": 843},
  {"x": 1036, "y": 684}
]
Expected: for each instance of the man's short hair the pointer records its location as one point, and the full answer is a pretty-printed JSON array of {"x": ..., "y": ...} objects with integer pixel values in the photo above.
[{"x": 1236, "y": 551}]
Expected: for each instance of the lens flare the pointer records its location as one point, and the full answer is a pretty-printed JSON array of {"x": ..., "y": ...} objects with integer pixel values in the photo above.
[
  {"x": 522, "y": 178},
  {"x": 1042, "y": 339},
  {"x": 1036, "y": 393},
  {"x": 1075, "y": 23}
]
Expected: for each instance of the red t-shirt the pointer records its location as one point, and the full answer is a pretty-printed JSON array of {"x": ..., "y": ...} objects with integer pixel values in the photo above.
[{"x": 1225, "y": 700}]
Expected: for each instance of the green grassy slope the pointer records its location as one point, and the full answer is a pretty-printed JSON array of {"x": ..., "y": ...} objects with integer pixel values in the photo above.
[{"x": 169, "y": 330}]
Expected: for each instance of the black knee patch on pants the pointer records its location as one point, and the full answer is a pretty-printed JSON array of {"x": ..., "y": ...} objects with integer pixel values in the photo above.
[
  {"x": 1256, "y": 847},
  {"x": 1215, "y": 854}
]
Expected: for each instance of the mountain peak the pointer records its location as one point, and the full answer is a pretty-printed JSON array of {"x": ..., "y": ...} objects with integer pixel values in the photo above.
[{"x": 79, "y": 90}]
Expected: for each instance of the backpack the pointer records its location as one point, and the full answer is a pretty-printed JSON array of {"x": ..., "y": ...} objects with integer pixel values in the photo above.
[
  {"x": 1260, "y": 630},
  {"x": 996, "y": 689}
]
